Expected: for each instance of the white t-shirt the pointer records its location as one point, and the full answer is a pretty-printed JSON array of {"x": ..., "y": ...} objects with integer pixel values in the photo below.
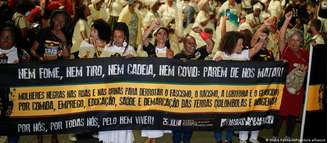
[
  {"x": 275, "y": 8},
  {"x": 243, "y": 56},
  {"x": 80, "y": 26},
  {"x": 103, "y": 13},
  {"x": 86, "y": 50},
  {"x": 161, "y": 52},
  {"x": 11, "y": 54},
  {"x": 167, "y": 13},
  {"x": 117, "y": 7},
  {"x": 112, "y": 50}
]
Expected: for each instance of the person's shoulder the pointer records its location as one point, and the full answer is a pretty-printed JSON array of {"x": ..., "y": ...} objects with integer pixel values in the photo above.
[
  {"x": 304, "y": 50},
  {"x": 44, "y": 32},
  {"x": 202, "y": 48},
  {"x": 179, "y": 55},
  {"x": 130, "y": 48}
]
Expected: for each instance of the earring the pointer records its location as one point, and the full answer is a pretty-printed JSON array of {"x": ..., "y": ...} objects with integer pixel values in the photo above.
[{"x": 125, "y": 43}]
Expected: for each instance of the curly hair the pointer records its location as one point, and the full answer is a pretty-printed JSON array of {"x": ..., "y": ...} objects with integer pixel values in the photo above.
[
  {"x": 229, "y": 41},
  {"x": 103, "y": 28}
]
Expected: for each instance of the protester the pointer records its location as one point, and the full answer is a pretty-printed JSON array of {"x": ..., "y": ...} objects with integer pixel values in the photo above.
[
  {"x": 159, "y": 31},
  {"x": 167, "y": 13},
  {"x": 54, "y": 42},
  {"x": 254, "y": 19},
  {"x": 230, "y": 9},
  {"x": 297, "y": 57},
  {"x": 81, "y": 29},
  {"x": 10, "y": 54},
  {"x": 160, "y": 49},
  {"x": 8, "y": 48},
  {"x": 315, "y": 28},
  {"x": 152, "y": 14},
  {"x": 93, "y": 46},
  {"x": 264, "y": 54},
  {"x": 20, "y": 17},
  {"x": 189, "y": 15},
  {"x": 119, "y": 45},
  {"x": 21, "y": 22},
  {"x": 188, "y": 52},
  {"x": 203, "y": 20},
  {"x": 133, "y": 19},
  {"x": 98, "y": 10},
  {"x": 116, "y": 7},
  {"x": 275, "y": 8},
  {"x": 262, "y": 35},
  {"x": 117, "y": 48}
]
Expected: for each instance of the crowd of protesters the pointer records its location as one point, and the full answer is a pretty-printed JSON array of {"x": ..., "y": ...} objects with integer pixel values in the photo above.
[{"x": 242, "y": 30}]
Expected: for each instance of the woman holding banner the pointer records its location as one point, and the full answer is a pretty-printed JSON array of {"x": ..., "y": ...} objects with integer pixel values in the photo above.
[
  {"x": 53, "y": 43},
  {"x": 160, "y": 49},
  {"x": 118, "y": 47},
  {"x": 9, "y": 54},
  {"x": 231, "y": 48},
  {"x": 297, "y": 58}
]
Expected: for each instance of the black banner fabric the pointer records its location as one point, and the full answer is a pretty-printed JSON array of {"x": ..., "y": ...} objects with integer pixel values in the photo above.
[
  {"x": 141, "y": 70},
  {"x": 138, "y": 93}
]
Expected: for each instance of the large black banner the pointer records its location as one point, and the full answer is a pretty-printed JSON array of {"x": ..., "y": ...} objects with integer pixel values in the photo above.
[{"x": 138, "y": 93}]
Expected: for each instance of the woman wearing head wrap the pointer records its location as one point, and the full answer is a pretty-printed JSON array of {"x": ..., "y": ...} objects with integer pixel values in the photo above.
[
  {"x": 254, "y": 19},
  {"x": 203, "y": 20},
  {"x": 167, "y": 13}
]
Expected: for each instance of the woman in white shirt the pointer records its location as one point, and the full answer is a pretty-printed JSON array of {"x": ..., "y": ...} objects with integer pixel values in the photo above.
[
  {"x": 8, "y": 51},
  {"x": 81, "y": 29},
  {"x": 118, "y": 47},
  {"x": 120, "y": 43},
  {"x": 160, "y": 49},
  {"x": 231, "y": 48}
]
